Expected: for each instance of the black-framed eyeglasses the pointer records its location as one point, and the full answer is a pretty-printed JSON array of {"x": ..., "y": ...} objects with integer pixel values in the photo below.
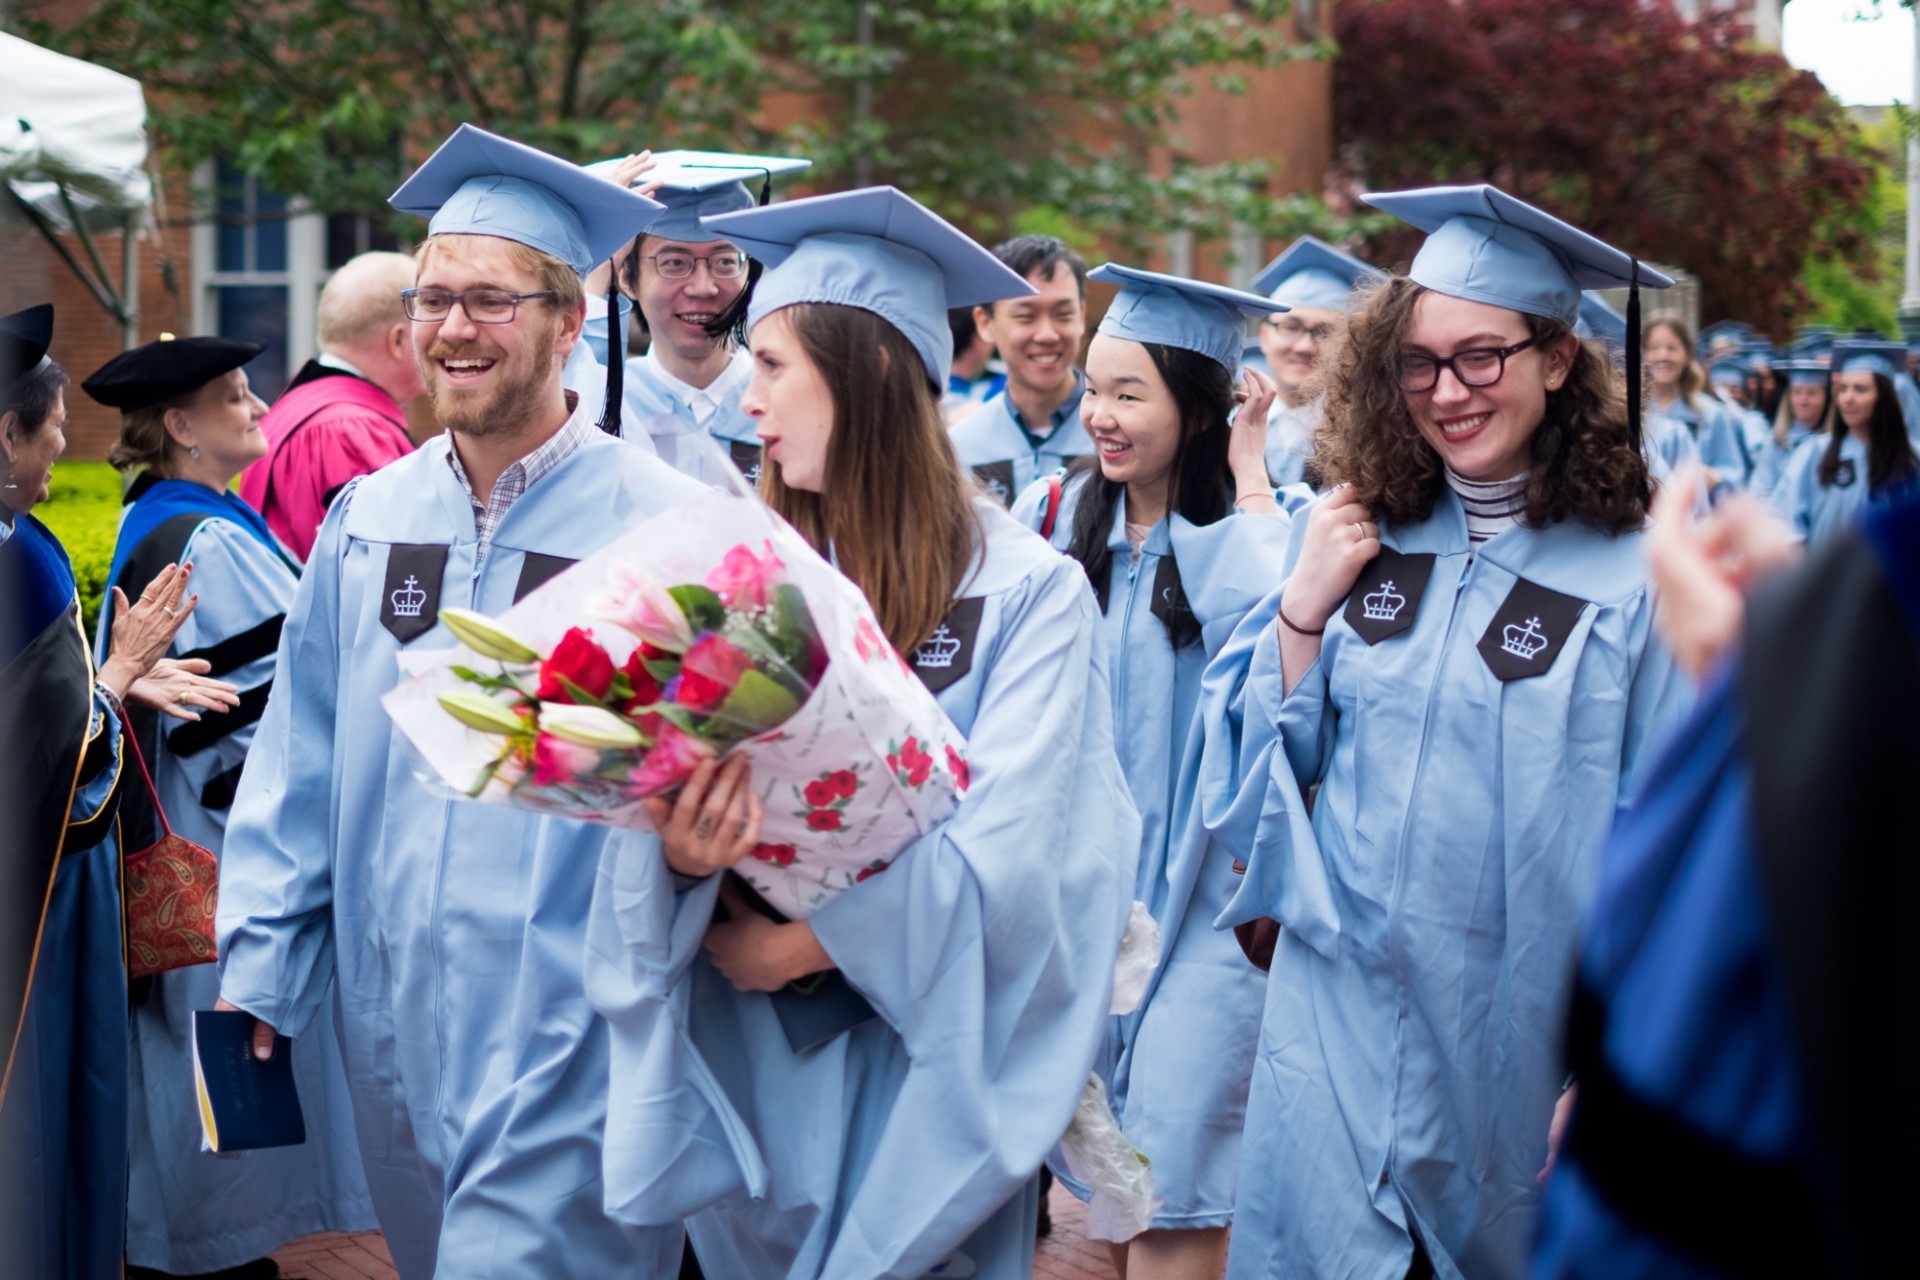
[
  {"x": 1474, "y": 367},
  {"x": 483, "y": 306},
  {"x": 1293, "y": 329},
  {"x": 672, "y": 264}
]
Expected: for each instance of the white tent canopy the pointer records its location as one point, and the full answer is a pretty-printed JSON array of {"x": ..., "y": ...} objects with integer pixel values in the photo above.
[{"x": 73, "y": 153}]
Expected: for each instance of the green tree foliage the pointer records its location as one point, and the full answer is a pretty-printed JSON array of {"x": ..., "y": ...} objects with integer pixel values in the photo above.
[
  {"x": 1680, "y": 139},
  {"x": 1844, "y": 297},
  {"x": 988, "y": 106}
]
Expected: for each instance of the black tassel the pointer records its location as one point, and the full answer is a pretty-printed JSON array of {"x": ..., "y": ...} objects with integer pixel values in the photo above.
[
  {"x": 766, "y": 189},
  {"x": 1633, "y": 358},
  {"x": 616, "y": 357}
]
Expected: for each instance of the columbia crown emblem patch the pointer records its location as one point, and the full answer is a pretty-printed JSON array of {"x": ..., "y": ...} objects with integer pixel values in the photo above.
[
  {"x": 1524, "y": 642},
  {"x": 939, "y": 650},
  {"x": 1393, "y": 606},
  {"x": 409, "y": 600},
  {"x": 1385, "y": 604}
]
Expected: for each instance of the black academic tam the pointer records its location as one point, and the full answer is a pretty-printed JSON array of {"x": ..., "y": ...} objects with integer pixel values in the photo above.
[{"x": 159, "y": 371}]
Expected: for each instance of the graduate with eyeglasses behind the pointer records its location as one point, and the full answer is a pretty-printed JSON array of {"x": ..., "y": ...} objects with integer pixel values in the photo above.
[
  {"x": 687, "y": 285},
  {"x": 1316, "y": 282},
  {"x": 1461, "y": 660}
]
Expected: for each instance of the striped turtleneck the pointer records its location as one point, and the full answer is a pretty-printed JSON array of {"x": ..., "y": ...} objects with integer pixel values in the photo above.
[{"x": 1492, "y": 506}]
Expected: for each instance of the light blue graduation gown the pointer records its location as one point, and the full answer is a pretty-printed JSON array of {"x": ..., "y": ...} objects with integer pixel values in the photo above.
[
  {"x": 1816, "y": 511},
  {"x": 188, "y": 1211},
  {"x": 1290, "y": 431},
  {"x": 655, "y": 412},
  {"x": 987, "y": 949},
  {"x": 1770, "y": 460},
  {"x": 1409, "y": 1061},
  {"x": 1669, "y": 446},
  {"x": 1716, "y": 433},
  {"x": 586, "y": 377},
  {"x": 454, "y": 929},
  {"x": 1178, "y": 1065},
  {"x": 1004, "y": 458}
]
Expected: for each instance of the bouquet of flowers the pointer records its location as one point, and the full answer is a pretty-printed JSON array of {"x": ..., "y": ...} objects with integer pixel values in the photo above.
[{"x": 677, "y": 644}]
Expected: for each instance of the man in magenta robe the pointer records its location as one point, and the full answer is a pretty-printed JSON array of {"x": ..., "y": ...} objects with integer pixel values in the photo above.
[{"x": 342, "y": 415}]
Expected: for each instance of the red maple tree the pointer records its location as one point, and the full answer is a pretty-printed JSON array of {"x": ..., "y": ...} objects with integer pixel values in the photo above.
[{"x": 1678, "y": 139}]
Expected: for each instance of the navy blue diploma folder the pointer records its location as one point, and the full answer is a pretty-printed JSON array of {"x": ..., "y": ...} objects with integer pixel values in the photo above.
[
  {"x": 816, "y": 1008},
  {"x": 244, "y": 1103}
]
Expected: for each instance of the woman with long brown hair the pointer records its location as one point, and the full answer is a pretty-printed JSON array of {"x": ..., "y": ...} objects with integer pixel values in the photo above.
[
  {"x": 1866, "y": 454},
  {"x": 871, "y": 1091},
  {"x": 1461, "y": 660}
]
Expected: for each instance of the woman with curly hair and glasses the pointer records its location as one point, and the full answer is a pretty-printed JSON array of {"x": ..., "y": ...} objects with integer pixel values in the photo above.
[{"x": 1460, "y": 670}]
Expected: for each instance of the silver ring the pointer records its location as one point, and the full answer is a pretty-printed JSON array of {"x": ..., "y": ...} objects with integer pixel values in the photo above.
[
  {"x": 171, "y": 613},
  {"x": 1360, "y": 527},
  {"x": 703, "y": 828}
]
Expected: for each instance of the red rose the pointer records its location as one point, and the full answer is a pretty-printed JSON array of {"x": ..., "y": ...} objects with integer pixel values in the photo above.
[
  {"x": 869, "y": 872},
  {"x": 824, "y": 820},
  {"x": 709, "y": 672},
  {"x": 917, "y": 775},
  {"x": 780, "y": 855},
  {"x": 844, "y": 782},
  {"x": 646, "y": 690},
  {"x": 957, "y": 764},
  {"x": 578, "y": 659},
  {"x": 820, "y": 793}
]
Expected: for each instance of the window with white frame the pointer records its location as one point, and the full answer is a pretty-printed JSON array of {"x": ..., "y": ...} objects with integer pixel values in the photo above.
[{"x": 259, "y": 260}]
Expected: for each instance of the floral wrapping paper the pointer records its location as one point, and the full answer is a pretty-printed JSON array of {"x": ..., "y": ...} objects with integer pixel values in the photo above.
[{"x": 865, "y": 765}]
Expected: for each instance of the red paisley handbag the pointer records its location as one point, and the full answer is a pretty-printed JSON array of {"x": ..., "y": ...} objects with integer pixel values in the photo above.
[{"x": 171, "y": 889}]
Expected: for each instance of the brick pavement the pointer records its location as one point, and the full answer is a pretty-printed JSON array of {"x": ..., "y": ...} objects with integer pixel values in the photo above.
[{"x": 1065, "y": 1255}]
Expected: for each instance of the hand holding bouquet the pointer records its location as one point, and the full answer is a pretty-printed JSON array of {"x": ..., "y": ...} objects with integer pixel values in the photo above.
[{"x": 614, "y": 681}]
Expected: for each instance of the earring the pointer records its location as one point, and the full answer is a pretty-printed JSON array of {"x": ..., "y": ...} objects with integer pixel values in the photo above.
[
  {"x": 11, "y": 482},
  {"x": 193, "y": 451}
]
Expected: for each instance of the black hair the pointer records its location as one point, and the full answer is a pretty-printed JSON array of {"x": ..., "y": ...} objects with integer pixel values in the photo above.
[
  {"x": 1199, "y": 487},
  {"x": 960, "y": 321},
  {"x": 32, "y": 397},
  {"x": 1036, "y": 255},
  {"x": 729, "y": 324},
  {"x": 1890, "y": 457}
]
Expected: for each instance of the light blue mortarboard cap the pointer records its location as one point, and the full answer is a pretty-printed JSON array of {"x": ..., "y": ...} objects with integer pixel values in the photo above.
[
  {"x": 1730, "y": 369},
  {"x": 1312, "y": 273},
  {"x": 1854, "y": 355},
  {"x": 1759, "y": 352},
  {"x": 1737, "y": 330},
  {"x": 876, "y": 249},
  {"x": 1599, "y": 320},
  {"x": 479, "y": 183},
  {"x": 1486, "y": 246},
  {"x": 1803, "y": 373},
  {"x": 1889, "y": 360},
  {"x": 1175, "y": 312},
  {"x": 700, "y": 184}
]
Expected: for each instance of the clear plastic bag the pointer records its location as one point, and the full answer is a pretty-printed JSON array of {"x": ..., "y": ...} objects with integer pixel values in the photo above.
[
  {"x": 1100, "y": 1158},
  {"x": 1139, "y": 957}
]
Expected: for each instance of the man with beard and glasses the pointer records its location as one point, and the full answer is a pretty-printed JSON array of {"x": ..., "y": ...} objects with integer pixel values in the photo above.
[
  {"x": 451, "y": 931},
  {"x": 1033, "y": 427}
]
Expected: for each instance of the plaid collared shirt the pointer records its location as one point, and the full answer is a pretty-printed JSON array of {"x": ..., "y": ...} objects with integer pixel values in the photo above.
[{"x": 520, "y": 477}]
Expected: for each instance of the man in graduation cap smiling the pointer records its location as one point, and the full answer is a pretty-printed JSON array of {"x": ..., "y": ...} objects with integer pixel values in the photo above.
[
  {"x": 688, "y": 286},
  {"x": 453, "y": 930}
]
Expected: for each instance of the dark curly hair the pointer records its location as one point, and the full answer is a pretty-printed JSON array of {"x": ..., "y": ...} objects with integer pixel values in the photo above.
[{"x": 1584, "y": 466}]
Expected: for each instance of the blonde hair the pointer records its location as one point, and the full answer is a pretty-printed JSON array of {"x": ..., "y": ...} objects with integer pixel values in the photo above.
[
  {"x": 569, "y": 291},
  {"x": 361, "y": 301}
]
